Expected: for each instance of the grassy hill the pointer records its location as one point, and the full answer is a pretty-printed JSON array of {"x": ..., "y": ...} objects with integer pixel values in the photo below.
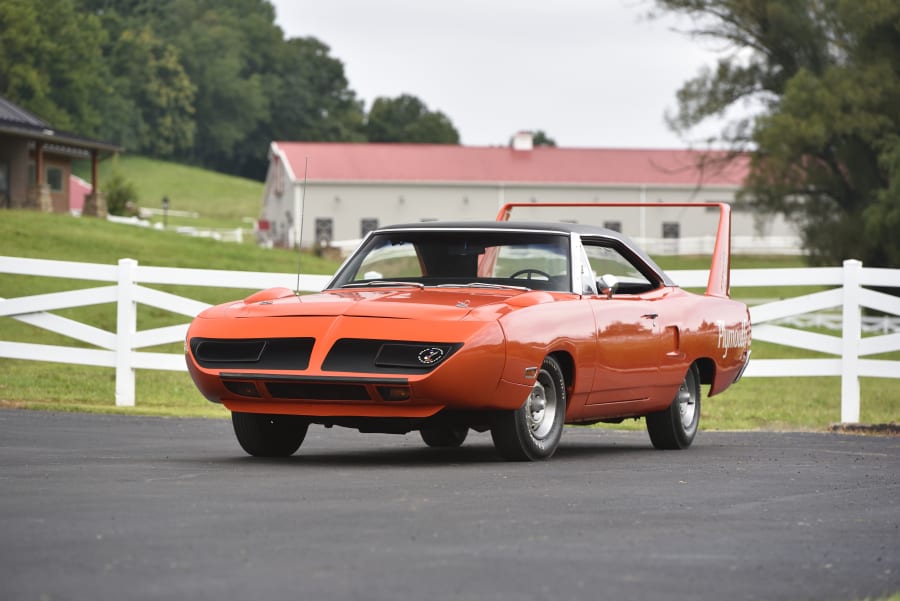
[
  {"x": 62, "y": 237},
  {"x": 221, "y": 200}
]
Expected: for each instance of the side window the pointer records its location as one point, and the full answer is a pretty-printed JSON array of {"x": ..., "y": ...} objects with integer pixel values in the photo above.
[
  {"x": 523, "y": 258},
  {"x": 587, "y": 277},
  {"x": 538, "y": 266},
  {"x": 608, "y": 260}
]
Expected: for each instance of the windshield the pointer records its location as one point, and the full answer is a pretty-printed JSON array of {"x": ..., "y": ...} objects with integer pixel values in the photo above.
[{"x": 448, "y": 258}]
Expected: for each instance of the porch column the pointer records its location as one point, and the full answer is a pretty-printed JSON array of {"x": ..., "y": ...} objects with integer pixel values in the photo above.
[
  {"x": 95, "y": 203},
  {"x": 38, "y": 164},
  {"x": 39, "y": 193},
  {"x": 94, "y": 161}
]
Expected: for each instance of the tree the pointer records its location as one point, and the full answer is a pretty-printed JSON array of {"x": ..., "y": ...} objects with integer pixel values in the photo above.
[
  {"x": 407, "y": 119},
  {"x": 332, "y": 113},
  {"x": 308, "y": 99},
  {"x": 825, "y": 144},
  {"x": 542, "y": 139},
  {"x": 51, "y": 63},
  {"x": 251, "y": 85},
  {"x": 230, "y": 101},
  {"x": 151, "y": 110},
  {"x": 210, "y": 82}
]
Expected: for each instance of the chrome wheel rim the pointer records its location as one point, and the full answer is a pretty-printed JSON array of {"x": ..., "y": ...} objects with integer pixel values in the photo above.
[
  {"x": 687, "y": 404},
  {"x": 541, "y": 406}
]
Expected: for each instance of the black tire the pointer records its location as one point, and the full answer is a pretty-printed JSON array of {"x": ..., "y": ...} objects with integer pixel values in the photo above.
[
  {"x": 676, "y": 426},
  {"x": 264, "y": 435},
  {"x": 532, "y": 431},
  {"x": 444, "y": 436}
]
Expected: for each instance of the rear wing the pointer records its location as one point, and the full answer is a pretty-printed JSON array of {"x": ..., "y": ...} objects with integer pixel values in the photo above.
[{"x": 719, "y": 282}]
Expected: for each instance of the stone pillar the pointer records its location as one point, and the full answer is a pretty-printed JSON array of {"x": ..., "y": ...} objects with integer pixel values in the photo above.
[
  {"x": 39, "y": 198},
  {"x": 95, "y": 205}
]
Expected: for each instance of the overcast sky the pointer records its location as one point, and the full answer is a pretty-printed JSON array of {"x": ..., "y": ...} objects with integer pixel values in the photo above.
[{"x": 590, "y": 73}]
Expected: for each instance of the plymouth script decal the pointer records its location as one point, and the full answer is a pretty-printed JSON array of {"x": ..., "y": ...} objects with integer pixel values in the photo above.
[{"x": 736, "y": 337}]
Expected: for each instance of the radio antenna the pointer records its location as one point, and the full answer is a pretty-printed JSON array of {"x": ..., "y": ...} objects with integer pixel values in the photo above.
[{"x": 301, "y": 209}]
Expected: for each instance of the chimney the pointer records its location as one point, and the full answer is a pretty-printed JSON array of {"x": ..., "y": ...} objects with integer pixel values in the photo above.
[{"x": 523, "y": 140}]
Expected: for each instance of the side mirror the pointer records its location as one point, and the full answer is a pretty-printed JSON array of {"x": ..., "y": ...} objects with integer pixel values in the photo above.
[{"x": 608, "y": 284}]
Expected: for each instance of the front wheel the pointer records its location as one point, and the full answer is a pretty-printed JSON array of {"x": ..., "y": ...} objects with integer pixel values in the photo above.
[
  {"x": 676, "y": 426},
  {"x": 532, "y": 431},
  {"x": 264, "y": 435}
]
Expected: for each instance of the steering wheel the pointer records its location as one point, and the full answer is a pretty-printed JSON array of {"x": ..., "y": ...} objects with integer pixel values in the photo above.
[{"x": 529, "y": 272}]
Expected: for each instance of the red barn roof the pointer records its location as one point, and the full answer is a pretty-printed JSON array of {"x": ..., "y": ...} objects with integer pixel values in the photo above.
[{"x": 438, "y": 163}]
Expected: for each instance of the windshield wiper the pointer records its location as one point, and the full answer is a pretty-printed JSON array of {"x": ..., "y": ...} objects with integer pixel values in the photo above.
[
  {"x": 484, "y": 285},
  {"x": 384, "y": 283}
]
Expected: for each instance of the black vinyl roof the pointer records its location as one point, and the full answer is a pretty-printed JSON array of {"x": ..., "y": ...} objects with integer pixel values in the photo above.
[{"x": 538, "y": 226}]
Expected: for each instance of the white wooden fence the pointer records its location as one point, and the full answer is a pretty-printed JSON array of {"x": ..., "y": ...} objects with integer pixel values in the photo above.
[
  {"x": 851, "y": 295},
  {"x": 120, "y": 349},
  {"x": 740, "y": 245}
]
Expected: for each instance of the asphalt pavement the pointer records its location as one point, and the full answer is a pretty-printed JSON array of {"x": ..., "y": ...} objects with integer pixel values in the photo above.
[{"x": 128, "y": 507}]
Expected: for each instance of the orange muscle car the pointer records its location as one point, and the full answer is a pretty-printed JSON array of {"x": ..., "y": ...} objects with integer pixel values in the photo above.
[{"x": 442, "y": 327}]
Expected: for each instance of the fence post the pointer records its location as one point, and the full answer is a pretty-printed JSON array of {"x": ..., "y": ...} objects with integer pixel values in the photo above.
[
  {"x": 126, "y": 327},
  {"x": 850, "y": 338}
]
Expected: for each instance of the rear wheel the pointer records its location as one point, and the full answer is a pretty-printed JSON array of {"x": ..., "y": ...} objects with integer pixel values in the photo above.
[
  {"x": 676, "y": 426},
  {"x": 444, "y": 436},
  {"x": 264, "y": 435},
  {"x": 532, "y": 431}
]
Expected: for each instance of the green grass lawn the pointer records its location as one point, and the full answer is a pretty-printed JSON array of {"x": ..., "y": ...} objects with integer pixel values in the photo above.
[
  {"x": 222, "y": 201},
  {"x": 65, "y": 387},
  {"x": 755, "y": 403}
]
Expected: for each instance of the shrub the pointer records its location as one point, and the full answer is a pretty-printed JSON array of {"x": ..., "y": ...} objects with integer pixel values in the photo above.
[{"x": 121, "y": 195}]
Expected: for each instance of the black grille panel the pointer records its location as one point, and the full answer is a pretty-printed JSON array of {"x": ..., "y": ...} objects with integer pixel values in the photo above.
[
  {"x": 318, "y": 391},
  {"x": 256, "y": 353},
  {"x": 363, "y": 355}
]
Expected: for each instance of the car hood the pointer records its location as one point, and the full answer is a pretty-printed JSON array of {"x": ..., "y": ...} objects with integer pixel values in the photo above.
[{"x": 402, "y": 303}]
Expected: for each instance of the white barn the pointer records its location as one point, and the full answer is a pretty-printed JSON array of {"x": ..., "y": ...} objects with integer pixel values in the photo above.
[{"x": 336, "y": 192}]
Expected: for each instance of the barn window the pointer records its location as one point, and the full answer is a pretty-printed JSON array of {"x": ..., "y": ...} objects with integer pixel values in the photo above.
[
  {"x": 367, "y": 225},
  {"x": 324, "y": 230},
  {"x": 671, "y": 232},
  {"x": 671, "y": 229}
]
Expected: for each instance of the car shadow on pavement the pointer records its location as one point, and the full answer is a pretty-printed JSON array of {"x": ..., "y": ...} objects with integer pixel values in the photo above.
[{"x": 399, "y": 456}]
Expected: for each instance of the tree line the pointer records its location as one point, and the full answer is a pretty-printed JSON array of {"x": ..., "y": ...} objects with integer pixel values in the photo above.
[
  {"x": 212, "y": 82},
  {"x": 825, "y": 144},
  {"x": 207, "y": 82}
]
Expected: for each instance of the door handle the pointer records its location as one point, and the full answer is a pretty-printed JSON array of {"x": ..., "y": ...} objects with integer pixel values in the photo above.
[{"x": 650, "y": 315}]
